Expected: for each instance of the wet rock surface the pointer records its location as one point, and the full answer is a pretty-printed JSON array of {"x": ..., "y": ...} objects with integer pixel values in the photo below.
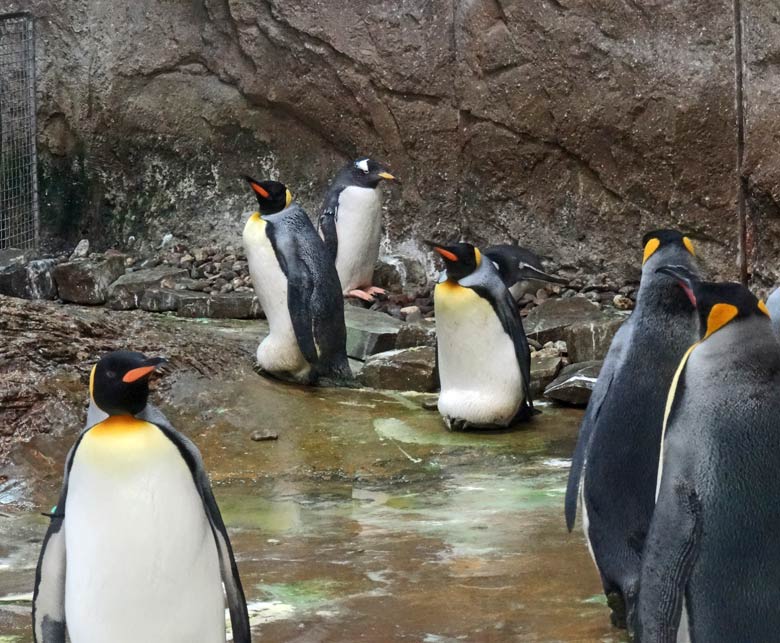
[
  {"x": 369, "y": 332},
  {"x": 590, "y": 340},
  {"x": 548, "y": 321},
  {"x": 574, "y": 384},
  {"x": 126, "y": 292}
]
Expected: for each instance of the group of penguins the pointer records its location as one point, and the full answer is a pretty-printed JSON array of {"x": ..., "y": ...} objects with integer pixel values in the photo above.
[{"x": 676, "y": 465}]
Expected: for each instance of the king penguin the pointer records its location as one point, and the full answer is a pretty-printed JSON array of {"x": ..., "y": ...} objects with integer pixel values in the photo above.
[
  {"x": 136, "y": 549},
  {"x": 614, "y": 465},
  {"x": 711, "y": 566},
  {"x": 351, "y": 225},
  {"x": 483, "y": 354},
  {"x": 521, "y": 269},
  {"x": 298, "y": 288}
]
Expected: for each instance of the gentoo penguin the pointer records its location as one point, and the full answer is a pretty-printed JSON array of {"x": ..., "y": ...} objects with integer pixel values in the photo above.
[
  {"x": 298, "y": 288},
  {"x": 711, "y": 565},
  {"x": 483, "y": 355},
  {"x": 615, "y": 462},
  {"x": 351, "y": 225},
  {"x": 521, "y": 269},
  {"x": 136, "y": 549},
  {"x": 773, "y": 305}
]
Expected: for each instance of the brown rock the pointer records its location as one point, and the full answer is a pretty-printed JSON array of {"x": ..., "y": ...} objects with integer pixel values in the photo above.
[{"x": 86, "y": 281}]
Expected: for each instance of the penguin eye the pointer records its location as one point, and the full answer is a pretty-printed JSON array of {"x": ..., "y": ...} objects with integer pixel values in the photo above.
[{"x": 111, "y": 374}]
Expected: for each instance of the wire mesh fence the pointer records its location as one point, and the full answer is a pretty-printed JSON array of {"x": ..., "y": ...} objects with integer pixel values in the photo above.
[{"x": 18, "y": 165}]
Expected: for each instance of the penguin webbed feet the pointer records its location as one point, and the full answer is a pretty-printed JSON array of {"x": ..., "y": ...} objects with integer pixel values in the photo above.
[{"x": 370, "y": 294}]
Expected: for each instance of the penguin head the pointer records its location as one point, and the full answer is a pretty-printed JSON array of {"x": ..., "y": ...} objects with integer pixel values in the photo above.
[
  {"x": 367, "y": 173},
  {"x": 119, "y": 382},
  {"x": 667, "y": 247},
  {"x": 272, "y": 196},
  {"x": 717, "y": 304},
  {"x": 460, "y": 259}
]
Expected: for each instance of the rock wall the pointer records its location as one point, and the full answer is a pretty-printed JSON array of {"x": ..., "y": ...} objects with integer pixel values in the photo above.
[{"x": 569, "y": 125}]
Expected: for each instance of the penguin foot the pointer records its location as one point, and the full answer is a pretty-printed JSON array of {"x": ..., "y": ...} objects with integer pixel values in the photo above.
[
  {"x": 361, "y": 294},
  {"x": 376, "y": 290},
  {"x": 617, "y": 604}
]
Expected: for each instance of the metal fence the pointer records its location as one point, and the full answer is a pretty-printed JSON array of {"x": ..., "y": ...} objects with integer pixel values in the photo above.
[{"x": 18, "y": 163}]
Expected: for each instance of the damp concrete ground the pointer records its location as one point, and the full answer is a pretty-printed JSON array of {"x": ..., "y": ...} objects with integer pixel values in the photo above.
[{"x": 365, "y": 521}]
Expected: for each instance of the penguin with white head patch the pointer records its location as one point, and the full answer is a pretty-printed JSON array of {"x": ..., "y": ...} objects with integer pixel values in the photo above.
[
  {"x": 483, "y": 354},
  {"x": 711, "y": 564},
  {"x": 136, "y": 549},
  {"x": 615, "y": 462},
  {"x": 351, "y": 225},
  {"x": 521, "y": 269},
  {"x": 298, "y": 287}
]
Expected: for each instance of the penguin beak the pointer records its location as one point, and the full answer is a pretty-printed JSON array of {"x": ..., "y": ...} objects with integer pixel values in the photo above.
[
  {"x": 259, "y": 190},
  {"x": 135, "y": 374},
  {"x": 684, "y": 277},
  {"x": 447, "y": 254},
  {"x": 387, "y": 176}
]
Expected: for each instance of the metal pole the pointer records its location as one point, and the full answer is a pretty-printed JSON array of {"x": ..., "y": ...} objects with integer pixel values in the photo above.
[{"x": 740, "y": 117}]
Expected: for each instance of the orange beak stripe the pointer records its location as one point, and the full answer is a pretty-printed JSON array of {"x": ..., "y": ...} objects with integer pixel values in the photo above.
[
  {"x": 446, "y": 254},
  {"x": 260, "y": 190},
  {"x": 137, "y": 373}
]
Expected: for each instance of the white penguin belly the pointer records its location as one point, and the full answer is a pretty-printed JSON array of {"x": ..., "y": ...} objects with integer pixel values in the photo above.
[
  {"x": 279, "y": 351},
  {"x": 359, "y": 231},
  {"x": 480, "y": 377},
  {"x": 142, "y": 564}
]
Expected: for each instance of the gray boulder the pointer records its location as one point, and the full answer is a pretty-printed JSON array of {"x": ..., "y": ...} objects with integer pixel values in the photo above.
[
  {"x": 235, "y": 305},
  {"x": 574, "y": 384},
  {"x": 548, "y": 321},
  {"x": 589, "y": 340},
  {"x": 32, "y": 280},
  {"x": 417, "y": 334},
  {"x": 406, "y": 369},
  {"x": 126, "y": 292},
  {"x": 544, "y": 368},
  {"x": 87, "y": 281},
  {"x": 159, "y": 300},
  {"x": 193, "y": 304},
  {"x": 369, "y": 332}
]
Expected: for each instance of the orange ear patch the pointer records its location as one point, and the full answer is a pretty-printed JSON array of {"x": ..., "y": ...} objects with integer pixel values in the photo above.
[
  {"x": 446, "y": 254},
  {"x": 260, "y": 190},
  {"x": 720, "y": 315},
  {"x": 689, "y": 245},
  {"x": 137, "y": 373},
  {"x": 762, "y": 307},
  {"x": 650, "y": 248}
]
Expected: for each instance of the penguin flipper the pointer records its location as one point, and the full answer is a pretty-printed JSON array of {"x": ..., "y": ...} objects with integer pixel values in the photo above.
[
  {"x": 327, "y": 222},
  {"x": 48, "y": 608},
  {"x": 668, "y": 558},
  {"x": 597, "y": 398},
  {"x": 239, "y": 615}
]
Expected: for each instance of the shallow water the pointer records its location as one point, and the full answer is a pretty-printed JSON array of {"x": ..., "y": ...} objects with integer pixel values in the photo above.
[{"x": 365, "y": 520}]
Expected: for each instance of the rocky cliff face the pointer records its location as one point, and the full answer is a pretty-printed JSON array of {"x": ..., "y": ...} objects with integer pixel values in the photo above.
[{"x": 569, "y": 125}]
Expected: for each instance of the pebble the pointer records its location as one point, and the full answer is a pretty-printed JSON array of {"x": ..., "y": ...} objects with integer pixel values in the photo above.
[
  {"x": 81, "y": 250},
  {"x": 411, "y": 313},
  {"x": 265, "y": 436},
  {"x": 621, "y": 302}
]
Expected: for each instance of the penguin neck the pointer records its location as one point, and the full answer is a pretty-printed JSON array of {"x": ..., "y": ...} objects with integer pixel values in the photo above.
[
  {"x": 118, "y": 424},
  {"x": 660, "y": 293}
]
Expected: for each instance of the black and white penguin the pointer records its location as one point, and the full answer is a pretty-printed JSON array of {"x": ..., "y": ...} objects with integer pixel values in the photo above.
[
  {"x": 711, "y": 565},
  {"x": 298, "y": 288},
  {"x": 615, "y": 462},
  {"x": 521, "y": 269},
  {"x": 483, "y": 354},
  {"x": 136, "y": 549},
  {"x": 351, "y": 225}
]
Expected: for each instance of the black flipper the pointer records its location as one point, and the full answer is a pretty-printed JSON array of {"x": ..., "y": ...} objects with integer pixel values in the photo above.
[
  {"x": 48, "y": 608},
  {"x": 487, "y": 283},
  {"x": 600, "y": 393},
  {"x": 527, "y": 271},
  {"x": 327, "y": 222},
  {"x": 239, "y": 616}
]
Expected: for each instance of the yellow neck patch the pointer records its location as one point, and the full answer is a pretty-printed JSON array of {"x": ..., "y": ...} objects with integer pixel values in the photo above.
[
  {"x": 689, "y": 245},
  {"x": 115, "y": 425},
  {"x": 762, "y": 307},
  {"x": 720, "y": 315},
  {"x": 478, "y": 255},
  {"x": 650, "y": 247},
  {"x": 287, "y": 199}
]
